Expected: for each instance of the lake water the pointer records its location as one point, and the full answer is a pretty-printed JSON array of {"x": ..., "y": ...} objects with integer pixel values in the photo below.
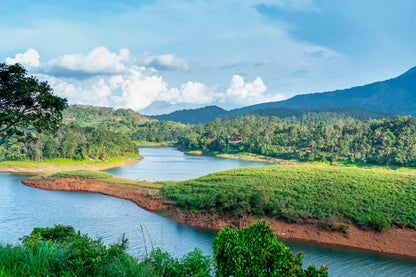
[{"x": 23, "y": 208}]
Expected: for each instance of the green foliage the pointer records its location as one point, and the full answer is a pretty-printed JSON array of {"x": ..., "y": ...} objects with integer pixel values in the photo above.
[
  {"x": 326, "y": 194},
  {"x": 191, "y": 264},
  {"x": 60, "y": 251},
  {"x": 255, "y": 251},
  {"x": 71, "y": 142},
  {"x": 84, "y": 174},
  {"x": 26, "y": 104},
  {"x": 384, "y": 142}
]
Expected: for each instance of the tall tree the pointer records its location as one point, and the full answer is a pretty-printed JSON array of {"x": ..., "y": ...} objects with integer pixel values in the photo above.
[{"x": 27, "y": 105}]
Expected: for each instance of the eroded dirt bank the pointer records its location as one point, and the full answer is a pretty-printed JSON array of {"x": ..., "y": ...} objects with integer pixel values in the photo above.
[{"x": 394, "y": 241}]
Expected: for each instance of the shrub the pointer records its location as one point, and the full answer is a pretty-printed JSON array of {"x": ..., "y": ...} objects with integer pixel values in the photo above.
[{"x": 255, "y": 251}]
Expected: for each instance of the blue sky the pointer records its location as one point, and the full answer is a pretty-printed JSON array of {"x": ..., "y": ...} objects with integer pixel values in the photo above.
[{"x": 155, "y": 56}]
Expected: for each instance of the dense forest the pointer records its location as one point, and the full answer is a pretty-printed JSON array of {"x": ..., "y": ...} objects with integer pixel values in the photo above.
[
  {"x": 71, "y": 142},
  {"x": 384, "y": 142}
]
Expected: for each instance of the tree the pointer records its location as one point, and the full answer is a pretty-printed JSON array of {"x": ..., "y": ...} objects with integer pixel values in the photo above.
[{"x": 27, "y": 105}]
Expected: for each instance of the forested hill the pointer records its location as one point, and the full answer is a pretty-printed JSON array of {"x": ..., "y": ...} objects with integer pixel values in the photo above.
[
  {"x": 397, "y": 95},
  {"x": 194, "y": 116},
  {"x": 120, "y": 120},
  {"x": 329, "y": 115},
  {"x": 125, "y": 121}
]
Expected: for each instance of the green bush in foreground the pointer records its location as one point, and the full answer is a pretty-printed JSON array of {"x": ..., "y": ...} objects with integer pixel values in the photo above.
[
  {"x": 255, "y": 251},
  {"x": 60, "y": 251}
]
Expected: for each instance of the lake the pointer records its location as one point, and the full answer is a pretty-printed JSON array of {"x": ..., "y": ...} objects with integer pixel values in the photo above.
[{"x": 23, "y": 208}]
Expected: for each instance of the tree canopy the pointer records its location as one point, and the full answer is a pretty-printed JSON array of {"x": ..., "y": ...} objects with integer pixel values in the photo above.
[{"x": 27, "y": 105}]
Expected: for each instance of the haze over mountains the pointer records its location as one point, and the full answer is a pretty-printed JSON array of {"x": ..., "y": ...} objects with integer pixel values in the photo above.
[{"x": 396, "y": 96}]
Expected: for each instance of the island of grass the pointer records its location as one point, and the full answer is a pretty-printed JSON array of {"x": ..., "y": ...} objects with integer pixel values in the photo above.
[{"x": 371, "y": 209}]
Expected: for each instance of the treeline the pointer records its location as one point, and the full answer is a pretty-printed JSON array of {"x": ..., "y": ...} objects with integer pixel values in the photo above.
[
  {"x": 384, "y": 142},
  {"x": 71, "y": 142}
]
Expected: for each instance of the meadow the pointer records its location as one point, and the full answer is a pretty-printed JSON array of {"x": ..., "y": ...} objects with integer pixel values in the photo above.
[{"x": 325, "y": 195}]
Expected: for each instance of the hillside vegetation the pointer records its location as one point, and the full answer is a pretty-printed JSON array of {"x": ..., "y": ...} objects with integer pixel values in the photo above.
[
  {"x": 383, "y": 142},
  {"x": 125, "y": 121},
  {"x": 71, "y": 142},
  {"x": 321, "y": 194}
]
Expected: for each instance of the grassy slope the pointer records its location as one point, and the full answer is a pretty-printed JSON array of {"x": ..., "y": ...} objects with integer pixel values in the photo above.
[{"x": 372, "y": 197}]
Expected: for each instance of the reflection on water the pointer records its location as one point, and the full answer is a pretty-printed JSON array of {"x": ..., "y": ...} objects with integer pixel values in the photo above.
[{"x": 23, "y": 208}]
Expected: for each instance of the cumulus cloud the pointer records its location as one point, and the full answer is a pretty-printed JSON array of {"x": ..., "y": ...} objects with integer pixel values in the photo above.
[
  {"x": 244, "y": 93},
  {"x": 139, "y": 90},
  {"x": 164, "y": 62},
  {"x": 30, "y": 58},
  {"x": 100, "y": 61}
]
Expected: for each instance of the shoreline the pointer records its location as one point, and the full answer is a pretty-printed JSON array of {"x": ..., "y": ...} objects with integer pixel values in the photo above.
[
  {"x": 56, "y": 166},
  {"x": 396, "y": 241},
  {"x": 247, "y": 157}
]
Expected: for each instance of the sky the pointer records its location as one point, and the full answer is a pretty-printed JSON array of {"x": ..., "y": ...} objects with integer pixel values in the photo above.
[{"x": 158, "y": 56}]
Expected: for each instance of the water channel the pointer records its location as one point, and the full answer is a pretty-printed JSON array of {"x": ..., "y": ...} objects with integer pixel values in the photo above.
[{"x": 23, "y": 208}]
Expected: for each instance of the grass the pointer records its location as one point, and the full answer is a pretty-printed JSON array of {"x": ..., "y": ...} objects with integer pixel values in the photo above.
[
  {"x": 60, "y": 251},
  {"x": 367, "y": 197},
  {"x": 84, "y": 174},
  {"x": 48, "y": 166}
]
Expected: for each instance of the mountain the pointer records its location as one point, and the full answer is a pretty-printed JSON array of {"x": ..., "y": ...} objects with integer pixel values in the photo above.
[
  {"x": 397, "y": 95},
  {"x": 194, "y": 116},
  {"x": 376, "y": 100}
]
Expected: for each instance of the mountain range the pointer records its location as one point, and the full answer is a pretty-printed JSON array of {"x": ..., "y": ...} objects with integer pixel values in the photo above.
[{"x": 396, "y": 96}]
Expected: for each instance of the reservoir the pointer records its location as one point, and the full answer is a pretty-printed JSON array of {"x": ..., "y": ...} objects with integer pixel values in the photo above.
[{"x": 23, "y": 208}]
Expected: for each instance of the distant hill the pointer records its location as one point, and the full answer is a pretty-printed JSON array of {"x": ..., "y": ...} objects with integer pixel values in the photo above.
[
  {"x": 397, "y": 95},
  {"x": 383, "y": 99},
  {"x": 329, "y": 115},
  {"x": 194, "y": 116}
]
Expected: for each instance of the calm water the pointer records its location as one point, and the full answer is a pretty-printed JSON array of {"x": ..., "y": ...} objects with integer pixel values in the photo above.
[{"x": 23, "y": 208}]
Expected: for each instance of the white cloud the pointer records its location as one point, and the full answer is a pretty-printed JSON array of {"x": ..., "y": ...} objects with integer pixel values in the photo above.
[
  {"x": 29, "y": 58},
  {"x": 164, "y": 62},
  {"x": 99, "y": 61},
  {"x": 243, "y": 93},
  {"x": 113, "y": 79},
  {"x": 140, "y": 90},
  {"x": 190, "y": 93}
]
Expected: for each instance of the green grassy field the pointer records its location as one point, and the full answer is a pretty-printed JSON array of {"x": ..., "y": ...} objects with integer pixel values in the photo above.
[
  {"x": 47, "y": 166},
  {"x": 326, "y": 194}
]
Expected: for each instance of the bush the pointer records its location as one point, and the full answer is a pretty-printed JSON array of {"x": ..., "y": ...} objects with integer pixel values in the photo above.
[
  {"x": 255, "y": 251},
  {"x": 60, "y": 251}
]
